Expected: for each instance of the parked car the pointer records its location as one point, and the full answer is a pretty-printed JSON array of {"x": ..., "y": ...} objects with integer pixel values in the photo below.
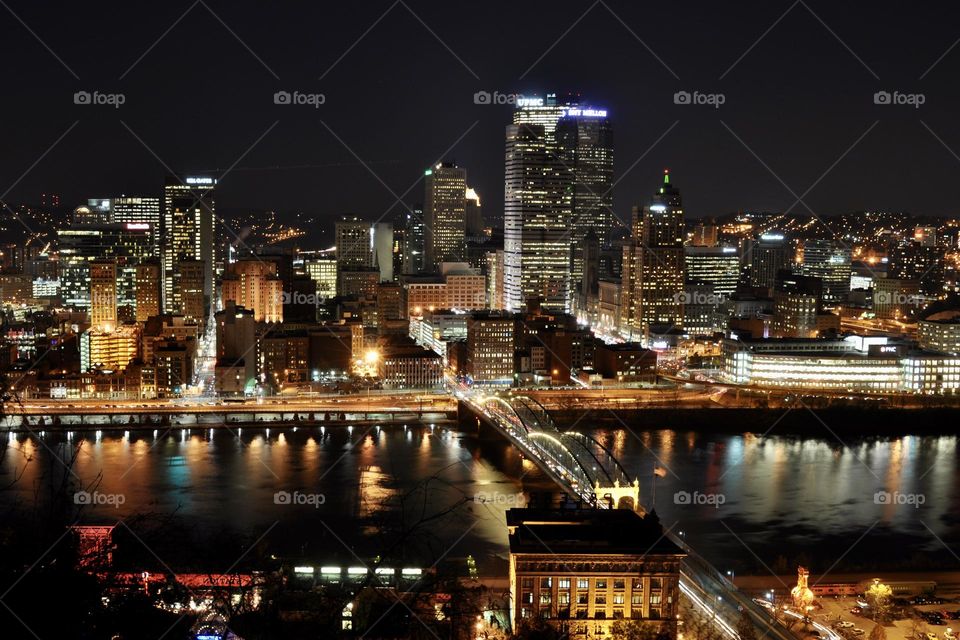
[
  {"x": 845, "y": 624},
  {"x": 856, "y": 611},
  {"x": 858, "y": 631}
]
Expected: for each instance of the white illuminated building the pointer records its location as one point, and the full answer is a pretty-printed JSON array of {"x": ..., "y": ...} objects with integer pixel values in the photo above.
[{"x": 854, "y": 363}]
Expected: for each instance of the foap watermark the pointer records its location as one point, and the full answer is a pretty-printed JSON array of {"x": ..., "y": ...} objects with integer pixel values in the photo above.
[
  {"x": 898, "y": 499},
  {"x": 899, "y": 99},
  {"x": 299, "y": 98},
  {"x": 95, "y": 498},
  {"x": 495, "y": 497},
  {"x": 900, "y": 299},
  {"x": 699, "y": 98},
  {"x": 97, "y": 98},
  {"x": 299, "y": 499},
  {"x": 299, "y": 297},
  {"x": 699, "y": 297},
  {"x": 495, "y": 97},
  {"x": 696, "y": 498}
]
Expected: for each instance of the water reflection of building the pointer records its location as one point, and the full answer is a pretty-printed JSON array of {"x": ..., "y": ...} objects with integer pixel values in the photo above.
[{"x": 582, "y": 570}]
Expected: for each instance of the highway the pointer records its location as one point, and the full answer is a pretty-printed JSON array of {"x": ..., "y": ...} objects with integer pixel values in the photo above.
[{"x": 372, "y": 403}]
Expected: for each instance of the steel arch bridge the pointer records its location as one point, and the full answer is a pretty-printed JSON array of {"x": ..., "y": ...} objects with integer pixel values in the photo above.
[{"x": 583, "y": 463}]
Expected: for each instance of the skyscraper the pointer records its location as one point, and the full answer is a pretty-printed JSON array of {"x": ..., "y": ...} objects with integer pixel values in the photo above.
[
  {"x": 353, "y": 243},
  {"x": 718, "y": 267},
  {"x": 536, "y": 221},
  {"x": 103, "y": 294},
  {"x": 767, "y": 256},
  {"x": 147, "y": 290},
  {"x": 585, "y": 145},
  {"x": 828, "y": 260},
  {"x": 414, "y": 241},
  {"x": 653, "y": 265},
  {"x": 544, "y": 112},
  {"x": 445, "y": 214},
  {"x": 137, "y": 210},
  {"x": 254, "y": 284},
  {"x": 188, "y": 235}
]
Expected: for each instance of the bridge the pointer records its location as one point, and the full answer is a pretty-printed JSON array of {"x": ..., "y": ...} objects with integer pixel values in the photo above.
[{"x": 588, "y": 472}]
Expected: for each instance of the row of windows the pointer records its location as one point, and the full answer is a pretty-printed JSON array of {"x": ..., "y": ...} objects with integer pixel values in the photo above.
[{"x": 546, "y": 582}]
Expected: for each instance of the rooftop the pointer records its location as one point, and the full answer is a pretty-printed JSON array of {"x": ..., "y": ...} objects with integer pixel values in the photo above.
[{"x": 594, "y": 531}]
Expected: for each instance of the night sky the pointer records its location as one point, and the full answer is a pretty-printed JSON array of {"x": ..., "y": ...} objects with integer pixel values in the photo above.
[{"x": 801, "y": 98}]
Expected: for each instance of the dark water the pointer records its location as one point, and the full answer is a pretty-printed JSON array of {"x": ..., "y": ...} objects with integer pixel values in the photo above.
[{"x": 411, "y": 492}]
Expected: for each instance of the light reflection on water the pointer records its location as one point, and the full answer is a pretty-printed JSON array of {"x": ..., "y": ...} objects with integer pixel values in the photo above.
[{"x": 780, "y": 495}]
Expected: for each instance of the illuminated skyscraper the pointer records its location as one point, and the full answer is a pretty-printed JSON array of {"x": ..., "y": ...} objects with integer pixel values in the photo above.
[
  {"x": 828, "y": 260},
  {"x": 536, "y": 221},
  {"x": 767, "y": 256},
  {"x": 136, "y": 210},
  {"x": 414, "y": 241},
  {"x": 544, "y": 112},
  {"x": 445, "y": 216},
  {"x": 254, "y": 284},
  {"x": 103, "y": 294},
  {"x": 353, "y": 243},
  {"x": 718, "y": 267},
  {"x": 147, "y": 290},
  {"x": 653, "y": 265},
  {"x": 188, "y": 236},
  {"x": 585, "y": 145}
]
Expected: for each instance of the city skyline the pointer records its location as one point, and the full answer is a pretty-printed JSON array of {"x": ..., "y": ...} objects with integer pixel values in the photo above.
[{"x": 593, "y": 320}]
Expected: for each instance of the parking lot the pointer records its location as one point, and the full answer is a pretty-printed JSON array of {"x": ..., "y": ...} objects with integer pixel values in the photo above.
[{"x": 919, "y": 623}]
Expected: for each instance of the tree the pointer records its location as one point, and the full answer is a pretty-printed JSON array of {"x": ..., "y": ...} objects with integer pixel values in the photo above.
[
  {"x": 878, "y": 597},
  {"x": 695, "y": 624},
  {"x": 746, "y": 630},
  {"x": 535, "y": 629},
  {"x": 877, "y": 633},
  {"x": 635, "y": 630}
]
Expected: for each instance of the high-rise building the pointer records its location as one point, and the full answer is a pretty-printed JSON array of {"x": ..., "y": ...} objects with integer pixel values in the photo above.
[
  {"x": 322, "y": 269},
  {"x": 828, "y": 260},
  {"x": 544, "y": 112},
  {"x": 536, "y": 221},
  {"x": 704, "y": 235},
  {"x": 797, "y": 302},
  {"x": 767, "y": 256},
  {"x": 128, "y": 244},
  {"x": 921, "y": 262},
  {"x": 653, "y": 268},
  {"x": 189, "y": 212},
  {"x": 353, "y": 242},
  {"x": 474, "y": 215},
  {"x": 445, "y": 214},
  {"x": 136, "y": 210},
  {"x": 585, "y": 145},
  {"x": 147, "y": 290},
  {"x": 254, "y": 284},
  {"x": 381, "y": 244},
  {"x": 718, "y": 267},
  {"x": 414, "y": 241},
  {"x": 494, "y": 264},
  {"x": 103, "y": 294},
  {"x": 189, "y": 277},
  {"x": 491, "y": 339}
]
